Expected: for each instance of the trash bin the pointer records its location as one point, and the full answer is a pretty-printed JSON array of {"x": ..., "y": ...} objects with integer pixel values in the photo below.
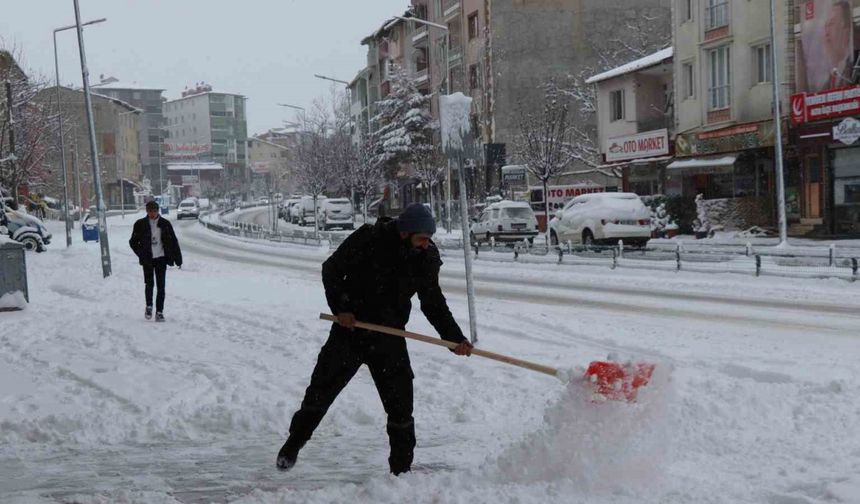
[
  {"x": 90, "y": 232},
  {"x": 13, "y": 276},
  {"x": 165, "y": 210}
]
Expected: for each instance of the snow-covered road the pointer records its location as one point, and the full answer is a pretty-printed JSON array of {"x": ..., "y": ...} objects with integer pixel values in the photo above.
[{"x": 98, "y": 405}]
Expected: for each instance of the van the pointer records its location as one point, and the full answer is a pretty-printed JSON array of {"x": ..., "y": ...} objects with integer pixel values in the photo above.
[{"x": 510, "y": 221}]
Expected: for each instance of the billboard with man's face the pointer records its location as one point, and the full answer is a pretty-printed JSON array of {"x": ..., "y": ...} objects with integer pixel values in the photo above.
[{"x": 825, "y": 50}]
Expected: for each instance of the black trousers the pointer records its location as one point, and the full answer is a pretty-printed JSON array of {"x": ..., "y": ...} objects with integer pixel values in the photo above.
[
  {"x": 153, "y": 276},
  {"x": 388, "y": 361}
]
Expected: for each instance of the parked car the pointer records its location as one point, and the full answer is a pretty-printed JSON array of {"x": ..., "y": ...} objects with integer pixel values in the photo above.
[
  {"x": 505, "y": 221},
  {"x": 285, "y": 207},
  {"x": 602, "y": 218},
  {"x": 25, "y": 229},
  {"x": 305, "y": 213},
  {"x": 188, "y": 208},
  {"x": 336, "y": 212}
]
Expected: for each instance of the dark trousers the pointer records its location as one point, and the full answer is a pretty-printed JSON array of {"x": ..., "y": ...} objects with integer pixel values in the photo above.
[
  {"x": 338, "y": 361},
  {"x": 153, "y": 276}
]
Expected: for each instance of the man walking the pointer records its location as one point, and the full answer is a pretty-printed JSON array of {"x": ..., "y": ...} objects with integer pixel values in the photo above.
[
  {"x": 372, "y": 277},
  {"x": 155, "y": 244}
]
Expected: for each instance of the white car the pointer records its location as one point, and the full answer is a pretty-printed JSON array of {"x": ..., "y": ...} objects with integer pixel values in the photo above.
[
  {"x": 304, "y": 210},
  {"x": 188, "y": 208},
  {"x": 602, "y": 217},
  {"x": 511, "y": 221},
  {"x": 285, "y": 208},
  {"x": 336, "y": 212}
]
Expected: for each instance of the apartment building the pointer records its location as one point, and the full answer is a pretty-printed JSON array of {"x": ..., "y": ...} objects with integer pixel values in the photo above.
[
  {"x": 723, "y": 101},
  {"x": 150, "y": 101},
  {"x": 207, "y": 126}
]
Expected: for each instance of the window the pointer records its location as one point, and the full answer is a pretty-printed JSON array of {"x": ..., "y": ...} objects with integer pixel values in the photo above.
[
  {"x": 761, "y": 59},
  {"x": 686, "y": 10},
  {"x": 616, "y": 105},
  {"x": 420, "y": 13},
  {"x": 473, "y": 25},
  {"x": 717, "y": 14},
  {"x": 437, "y": 8},
  {"x": 688, "y": 83},
  {"x": 474, "y": 82},
  {"x": 719, "y": 80}
]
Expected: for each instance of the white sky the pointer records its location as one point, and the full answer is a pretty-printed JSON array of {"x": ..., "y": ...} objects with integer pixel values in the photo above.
[{"x": 267, "y": 50}]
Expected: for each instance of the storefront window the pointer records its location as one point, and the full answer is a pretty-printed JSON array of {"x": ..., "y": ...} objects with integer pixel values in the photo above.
[{"x": 846, "y": 190}]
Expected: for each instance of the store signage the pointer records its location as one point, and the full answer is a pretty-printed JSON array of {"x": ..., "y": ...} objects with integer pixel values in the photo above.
[
  {"x": 640, "y": 145},
  {"x": 848, "y": 131},
  {"x": 185, "y": 150},
  {"x": 559, "y": 195},
  {"x": 726, "y": 140},
  {"x": 189, "y": 179},
  {"x": 514, "y": 175},
  {"x": 806, "y": 107}
]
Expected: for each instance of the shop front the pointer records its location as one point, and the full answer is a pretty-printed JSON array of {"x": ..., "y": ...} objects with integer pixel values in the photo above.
[
  {"x": 734, "y": 163},
  {"x": 826, "y": 131},
  {"x": 642, "y": 160}
]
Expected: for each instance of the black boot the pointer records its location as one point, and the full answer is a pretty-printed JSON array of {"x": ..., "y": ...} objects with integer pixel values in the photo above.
[{"x": 287, "y": 456}]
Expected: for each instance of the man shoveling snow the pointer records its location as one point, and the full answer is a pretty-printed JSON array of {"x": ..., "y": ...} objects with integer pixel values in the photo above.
[{"x": 372, "y": 277}]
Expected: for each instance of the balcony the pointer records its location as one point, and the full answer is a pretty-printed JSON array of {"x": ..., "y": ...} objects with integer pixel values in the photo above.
[{"x": 450, "y": 8}]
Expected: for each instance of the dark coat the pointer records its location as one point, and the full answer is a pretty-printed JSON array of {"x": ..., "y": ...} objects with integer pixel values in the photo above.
[
  {"x": 141, "y": 242},
  {"x": 374, "y": 275}
]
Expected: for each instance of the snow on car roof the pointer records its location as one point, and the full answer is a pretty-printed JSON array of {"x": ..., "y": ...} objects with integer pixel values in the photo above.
[
  {"x": 607, "y": 196},
  {"x": 509, "y": 203}
]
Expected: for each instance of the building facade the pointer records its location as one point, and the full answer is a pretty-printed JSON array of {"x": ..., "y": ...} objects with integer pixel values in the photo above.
[
  {"x": 211, "y": 127},
  {"x": 270, "y": 166},
  {"x": 825, "y": 117},
  {"x": 117, "y": 126},
  {"x": 635, "y": 121},
  {"x": 150, "y": 101},
  {"x": 723, "y": 101}
]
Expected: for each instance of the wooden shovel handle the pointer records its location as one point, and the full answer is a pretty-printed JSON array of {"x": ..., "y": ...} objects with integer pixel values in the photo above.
[{"x": 440, "y": 342}]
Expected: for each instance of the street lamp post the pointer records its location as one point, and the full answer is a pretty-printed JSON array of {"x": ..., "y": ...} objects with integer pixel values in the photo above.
[
  {"x": 68, "y": 222},
  {"x": 85, "y": 75}
]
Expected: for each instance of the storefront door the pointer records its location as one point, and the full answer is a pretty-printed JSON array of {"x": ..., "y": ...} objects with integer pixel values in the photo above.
[
  {"x": 846, "y": 191},
  {"x": 813, "y": 196}
]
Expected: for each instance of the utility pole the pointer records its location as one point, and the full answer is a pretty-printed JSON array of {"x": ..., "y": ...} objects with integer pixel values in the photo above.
[
  {"x": 85, "y": 74},
  {"x": 777, "y": 122}
]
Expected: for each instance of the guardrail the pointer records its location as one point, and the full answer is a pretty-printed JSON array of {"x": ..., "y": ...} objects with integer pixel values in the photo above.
[{"x": 761, "y": 260}]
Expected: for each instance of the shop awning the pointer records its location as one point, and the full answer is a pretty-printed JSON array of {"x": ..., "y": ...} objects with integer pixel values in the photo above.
[{"x": 704, "y": 165}]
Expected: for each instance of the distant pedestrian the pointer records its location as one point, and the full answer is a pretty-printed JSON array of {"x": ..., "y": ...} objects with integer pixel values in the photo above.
[
  {"x": 372, "y": 277},
  {"x": 155, "y": 244}
]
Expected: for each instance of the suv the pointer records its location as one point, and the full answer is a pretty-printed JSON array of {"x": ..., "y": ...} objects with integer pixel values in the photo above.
[
  {"x": 26, "y": 229},
  {"x": 602, "y": 217},
  {"x": 336, "y": 212},
  {"x": 505, "y": 221},
  {"x": 188, "y": 208},
  {"x": 304, "y": 211}
]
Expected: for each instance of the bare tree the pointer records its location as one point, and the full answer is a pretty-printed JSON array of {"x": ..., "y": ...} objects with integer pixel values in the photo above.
[
  {"x": 365, "y": 174},
  {"x": 317, "y": 165},
  {"x": 544, "y": 139},
  {"x": 430, "y": 170},
  {"x": 31, "y": 126}
]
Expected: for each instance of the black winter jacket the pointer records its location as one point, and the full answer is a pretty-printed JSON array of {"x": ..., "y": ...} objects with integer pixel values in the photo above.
[
  {"x": 374, "y": 275},
  {"x": 141, "y": 242}
]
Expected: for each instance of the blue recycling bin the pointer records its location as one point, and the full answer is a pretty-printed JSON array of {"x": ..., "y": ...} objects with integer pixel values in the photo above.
[{"x": 90, "y": 232}]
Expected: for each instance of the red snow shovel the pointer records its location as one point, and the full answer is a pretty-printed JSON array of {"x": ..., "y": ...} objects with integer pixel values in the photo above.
[{"x": 608, "y": 380}]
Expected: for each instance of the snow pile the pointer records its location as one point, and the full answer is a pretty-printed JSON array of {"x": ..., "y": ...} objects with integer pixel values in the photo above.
[
  {"x": 13, "y": 301},
  {"x": 599, "y": 446}
]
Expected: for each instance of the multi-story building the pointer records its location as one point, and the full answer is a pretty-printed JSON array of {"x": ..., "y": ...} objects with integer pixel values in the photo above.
[
  {"x": 635, "y": 121},
  {"x": 724, "y": 97},
  {"x": 117, "y": 126},
  {"x": 208, "y": 127},
  {"x": 269, "y": 160},
  {"x": 824, "y": 180},
  {"x": 150, "y": 101}
]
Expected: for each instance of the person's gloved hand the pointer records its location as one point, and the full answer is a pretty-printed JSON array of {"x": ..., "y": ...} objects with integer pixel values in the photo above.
[
  {"x": 346, "y": 319},
  {"x": 464, "y": 348}
]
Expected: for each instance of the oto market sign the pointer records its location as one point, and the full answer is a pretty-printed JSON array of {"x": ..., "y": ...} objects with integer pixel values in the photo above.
[
  {"x": 847, "y": 132},
  {"x": 641, "y": 145},
  {"x": 808, "y": 107}
]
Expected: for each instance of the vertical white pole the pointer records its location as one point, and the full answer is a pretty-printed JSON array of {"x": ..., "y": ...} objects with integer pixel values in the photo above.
[
  {"x": 777, "y": 122},
  {"x": 467, "y": 253}
]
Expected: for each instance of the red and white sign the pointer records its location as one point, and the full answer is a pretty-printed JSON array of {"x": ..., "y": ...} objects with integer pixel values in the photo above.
[
  {"x": 809, "y": 107},
  {"x": 559, "y": 195},
  {"x": 185, "y": 150},
  {"x": 641, "y": 145}
]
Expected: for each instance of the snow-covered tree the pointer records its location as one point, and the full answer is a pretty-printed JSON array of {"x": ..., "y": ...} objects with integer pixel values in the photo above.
[
  {"x": 430, "y": 170},
  {"x": 404, "y": 131},
  {"x": 365, "y": 174},
  {"x": 317, "y": 163},
  {"x": 543, "y": 140}
]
